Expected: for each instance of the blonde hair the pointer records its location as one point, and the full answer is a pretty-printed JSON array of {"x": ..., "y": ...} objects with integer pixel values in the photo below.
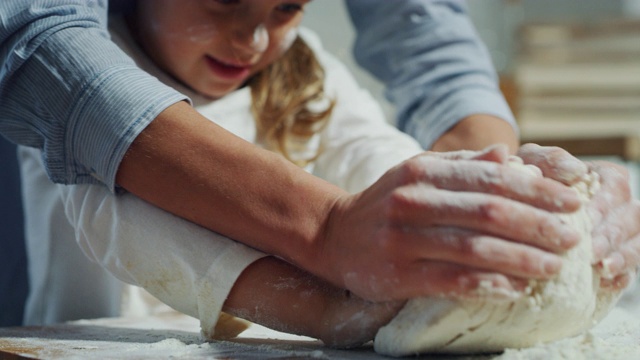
[{"x": 285, "y": 96}]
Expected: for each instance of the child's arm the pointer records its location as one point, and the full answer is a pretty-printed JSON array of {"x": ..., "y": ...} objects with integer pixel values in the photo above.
[
  {"x": 282, "y": 297},
  {"x": 185, "y": 266}
]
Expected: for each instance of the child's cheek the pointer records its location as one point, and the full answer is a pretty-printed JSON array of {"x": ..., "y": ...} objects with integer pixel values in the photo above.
[{"x": 288, "y": 39}]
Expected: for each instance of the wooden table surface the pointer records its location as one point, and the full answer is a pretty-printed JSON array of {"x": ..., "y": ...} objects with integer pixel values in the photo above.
[{"x": 177, "y": 337}]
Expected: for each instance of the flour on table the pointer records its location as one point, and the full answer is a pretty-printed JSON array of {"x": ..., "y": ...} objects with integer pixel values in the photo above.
[{"x": 550, "y": 310}]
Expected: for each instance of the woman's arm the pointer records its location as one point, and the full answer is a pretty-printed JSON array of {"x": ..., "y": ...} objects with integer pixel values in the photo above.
[
  {"x": 476, "y": 132},
  {"x": 436, "y": 69},
  {"x": 191, "y": 167}
]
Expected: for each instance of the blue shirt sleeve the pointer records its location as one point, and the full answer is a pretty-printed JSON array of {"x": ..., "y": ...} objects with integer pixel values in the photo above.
[
  {"x": 434, "y": 65},
  {"x": 68, "y": 90}
]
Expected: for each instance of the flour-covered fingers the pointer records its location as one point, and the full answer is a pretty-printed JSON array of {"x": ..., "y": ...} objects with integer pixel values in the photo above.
[
  {"x": 455, "y": 281},
  {"x": 617, "y": 231},
  {"x": 615, "y": 190},
  {"x": 493, "y": 178},
  {"x": 623, "y": 259},
  {"x": 436, "y": 278},
  {"x": 473, "y": 249},
  {"x": 485, "y": 213},
  {"x": 498, "y": 153},
  {"x": 619, "y": 282},
  {"x": 554, "y": 162}
]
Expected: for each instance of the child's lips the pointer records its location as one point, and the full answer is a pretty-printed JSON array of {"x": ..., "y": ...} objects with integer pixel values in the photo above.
[{"x": 226, "y": 70}]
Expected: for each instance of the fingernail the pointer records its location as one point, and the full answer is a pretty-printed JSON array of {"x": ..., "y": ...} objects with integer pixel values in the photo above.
[
  {"x": 600, "y": 246},
  {"x": 551, "y": 265},
  {"x": 569, "y": 237},
  {"x": 567, "y": 198},
  {"x": 612, "y": 265}
]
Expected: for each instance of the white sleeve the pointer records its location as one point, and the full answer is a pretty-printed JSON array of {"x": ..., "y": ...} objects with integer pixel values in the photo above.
[
  {"x": 358, "y": 145},
  {"x": 184, "y": 265}
]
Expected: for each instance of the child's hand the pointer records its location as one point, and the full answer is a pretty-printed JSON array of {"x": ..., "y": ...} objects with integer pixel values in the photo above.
[
  {"x": 349, "y": 321},
  {"x": 282, "y": 297},
  {"x": 447, "y": 225}
]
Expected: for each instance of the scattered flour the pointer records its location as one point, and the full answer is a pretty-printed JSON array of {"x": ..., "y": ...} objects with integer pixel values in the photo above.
[
  {"x": 617, "y": 337},
  {"x": 550, "y": 310}
]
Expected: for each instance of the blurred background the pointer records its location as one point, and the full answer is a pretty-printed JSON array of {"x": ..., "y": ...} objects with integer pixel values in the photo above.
[{"x": 570, "y": 69}]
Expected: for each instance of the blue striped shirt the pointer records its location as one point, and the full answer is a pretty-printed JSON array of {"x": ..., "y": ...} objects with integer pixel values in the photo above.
[
  {"x": 436, "y": 69},
  {"x": 68, "y": 90}
]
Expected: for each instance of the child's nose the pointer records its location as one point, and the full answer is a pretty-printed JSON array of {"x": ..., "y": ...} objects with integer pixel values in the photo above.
[{"x": 254, "y": 39}]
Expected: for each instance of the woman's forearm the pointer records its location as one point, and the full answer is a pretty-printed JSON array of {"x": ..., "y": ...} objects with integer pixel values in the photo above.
[
  {"x": 193, "y": 168},
  {"x": 477, "y": 132},
  {"x": 373, "y": 243}
]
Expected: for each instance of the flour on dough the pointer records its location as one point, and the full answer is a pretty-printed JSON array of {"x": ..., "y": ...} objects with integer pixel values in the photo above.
[{"x": 565, "y": 306}]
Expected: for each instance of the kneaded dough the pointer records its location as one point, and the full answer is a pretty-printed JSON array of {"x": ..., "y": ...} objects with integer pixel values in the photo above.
[{"x": 550, "y": 310}]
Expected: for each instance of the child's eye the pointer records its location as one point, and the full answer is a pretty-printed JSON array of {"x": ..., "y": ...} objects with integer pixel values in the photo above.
[
  {"x": 227, "y": 2},
  {"x": 289, "y": 8}
]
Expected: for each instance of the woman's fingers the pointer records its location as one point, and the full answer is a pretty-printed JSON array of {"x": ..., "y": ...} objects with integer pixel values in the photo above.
[
  {"x": 476, "y": 250},
  {"x": 498, "y": 153},
  {"x": 383, "y": 243},
  {"x": 421, "y": 208},
  {"x": 436, "y": 278},
  {"x": 554, "y": 162},
  {"x": 490, "y": 178}
]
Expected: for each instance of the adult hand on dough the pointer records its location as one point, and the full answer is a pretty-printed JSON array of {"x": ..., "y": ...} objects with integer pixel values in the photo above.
[
  {"x": 615, "y": 215},
  {"x": 448, "y": 224}
]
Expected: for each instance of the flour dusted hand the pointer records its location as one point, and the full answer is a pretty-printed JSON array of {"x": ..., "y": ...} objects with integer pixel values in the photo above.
[
  {"x": 613, "y": 212},
  {"x": 617, "y": 231},
  {"x": 550, "y": 309},
  {"x": 437, "y": 226}
]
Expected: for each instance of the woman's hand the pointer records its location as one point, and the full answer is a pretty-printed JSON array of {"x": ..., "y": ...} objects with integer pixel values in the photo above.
[
  {"x": 614, "y": 214},
  {"x": 448, "y": 225}
]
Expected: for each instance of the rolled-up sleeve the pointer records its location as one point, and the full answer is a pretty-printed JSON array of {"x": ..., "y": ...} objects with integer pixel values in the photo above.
[
  {"x": 436, "y": 69},
  {"x": 185, "y": 266},
  {"x": 67, "y": 89}
]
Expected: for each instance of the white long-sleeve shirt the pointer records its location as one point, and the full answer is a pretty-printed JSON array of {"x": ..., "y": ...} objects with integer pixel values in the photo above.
[{"x": 182, "y": 264}]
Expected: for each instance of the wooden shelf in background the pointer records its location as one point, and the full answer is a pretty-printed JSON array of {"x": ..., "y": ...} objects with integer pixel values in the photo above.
[{"x": 625, "y": 147}]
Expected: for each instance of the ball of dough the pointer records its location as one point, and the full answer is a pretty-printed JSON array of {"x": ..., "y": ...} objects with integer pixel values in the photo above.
[{"x": 550, "y": 310}]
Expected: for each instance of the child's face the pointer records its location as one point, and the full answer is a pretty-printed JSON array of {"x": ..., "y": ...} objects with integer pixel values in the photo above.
[{"x": 214, "y": 46}]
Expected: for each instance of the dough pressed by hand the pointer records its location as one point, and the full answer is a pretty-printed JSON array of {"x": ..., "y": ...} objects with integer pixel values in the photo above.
[{"x": 550, "y": 310}]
